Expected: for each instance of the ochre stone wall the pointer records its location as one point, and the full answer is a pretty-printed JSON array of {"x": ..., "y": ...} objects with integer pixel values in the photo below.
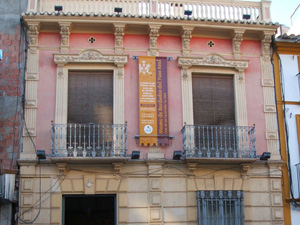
[{"x": 152, "y": 193}]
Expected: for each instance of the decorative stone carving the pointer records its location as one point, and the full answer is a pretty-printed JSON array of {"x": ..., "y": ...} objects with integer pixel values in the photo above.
[
  {"x": 266, "y": 46},
  {"x": 244, "y": 171},
  {"x": 120, "y": 70},
  {"x": 65, "y": 34},
  {"x": 62, "y": 167},
  {"x": 186, "y": 37},
  {"x": 192, "y": 166},
  {"x": 117, "y": 167},
  {"x": 60, "y": 71},
  {"x": 214, "y": 60},
  {"x": 119, "y": 33},
  {"x": 236, "y": 43},
  {"x": 33, "y": 37},
  {"x": 91, "y": 55},
  {"x": 153, "y": 35}
]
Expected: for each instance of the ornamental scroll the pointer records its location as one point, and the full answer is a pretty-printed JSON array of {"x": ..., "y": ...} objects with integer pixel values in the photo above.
[{"x": 153, "y": 101}]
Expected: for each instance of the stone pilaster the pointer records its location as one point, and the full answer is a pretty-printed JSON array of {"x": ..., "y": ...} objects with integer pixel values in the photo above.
[
  {"x": 119, "y": 33},
  {"x": 65, "y": 28},
  {"x": 155, "y": 171},
  {"x": 31, "y": 78},
  {"x": 186, "y": 38},
  {"x": 269, "y": 97},
  {"x": 236, "y": 43},
  {"x": 119, "y": 94},
  {"x": 153, "y": 35}
]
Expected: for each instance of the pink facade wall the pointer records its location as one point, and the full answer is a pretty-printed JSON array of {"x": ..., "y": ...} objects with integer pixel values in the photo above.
[{"x": 137, "y": 45}]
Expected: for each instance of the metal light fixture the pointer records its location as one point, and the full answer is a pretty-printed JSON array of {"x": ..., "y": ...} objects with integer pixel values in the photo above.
[
  {"x": 188, "y": 12},
  {"x": 135, "y": 155},
  {"x": 118, "y": 10},
  {"x": 265, "y": 156},
  {"x": 177, "y": 155},
  {"x": 246, "y": 17},
  {"x": 58, "y": 8},
  {"x": 41, "y": 154}
]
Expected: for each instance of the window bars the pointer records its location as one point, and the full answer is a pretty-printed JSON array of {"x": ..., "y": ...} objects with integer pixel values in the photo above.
[{"x": 220, "y": 207}]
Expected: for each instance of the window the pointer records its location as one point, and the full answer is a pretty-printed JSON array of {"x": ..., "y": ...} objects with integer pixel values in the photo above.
[
  {"x": 90, "y": 97},
  {"x": 213, "y": 100},
  {"x": 220, "y": 207}
]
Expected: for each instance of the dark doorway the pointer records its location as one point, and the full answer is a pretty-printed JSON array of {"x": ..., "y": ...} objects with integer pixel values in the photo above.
[{"x": 89, "y": 210}]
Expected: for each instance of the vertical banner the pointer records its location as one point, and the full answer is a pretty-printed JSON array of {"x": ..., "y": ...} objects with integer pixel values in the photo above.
[{"x": 153, "y": 101}]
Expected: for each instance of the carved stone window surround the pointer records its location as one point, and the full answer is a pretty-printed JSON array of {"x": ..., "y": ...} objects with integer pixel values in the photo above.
[
  {"x": 89, "y": 60},
  {"x": 213, "y": 64}
]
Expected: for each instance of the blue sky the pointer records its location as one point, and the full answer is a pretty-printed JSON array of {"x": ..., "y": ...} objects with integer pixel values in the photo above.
[{"x": 281, "y": 10}]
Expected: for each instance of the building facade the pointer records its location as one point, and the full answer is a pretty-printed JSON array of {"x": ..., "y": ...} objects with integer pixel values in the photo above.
[
  {"x": 12, "y": 65},
  {"x": 286, "y": 68},
  {"x": 150, "y": 112}
]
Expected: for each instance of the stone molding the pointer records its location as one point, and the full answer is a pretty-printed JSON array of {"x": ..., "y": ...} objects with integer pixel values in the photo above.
[
  {"x": 119, "y": 33},
  {"x": 213, "y": 60},
  {"x": 153, "y": 35},
  {"x": 215, "y": 64},
  {"x": 89, "y": 56},
  {"x": 236, "y": 43},
  {"x": 65, "y": 28},
  {"x": 31, "y": 86},
  {"x": 186, "y": 38},
  {"x": 89, "y": 59},
  {"x": 269, "y": 96}
]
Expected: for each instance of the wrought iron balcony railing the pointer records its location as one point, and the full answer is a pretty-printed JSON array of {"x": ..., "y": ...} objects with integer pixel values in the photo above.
[
  {"x": 218, "y": 141},
  {"x": 211, "y": 9},
  {"x": 89, "y": 140}
]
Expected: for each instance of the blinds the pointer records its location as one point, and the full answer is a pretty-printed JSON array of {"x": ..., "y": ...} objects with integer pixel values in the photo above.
[
  {"x": 90, "y": 97},
  {"x": 213, "y": 100}
]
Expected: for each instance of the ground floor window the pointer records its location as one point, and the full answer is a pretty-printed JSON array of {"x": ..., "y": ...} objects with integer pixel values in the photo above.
[
  {"x": 220, "y": 207},
  {"x": 89, "y": 210}
]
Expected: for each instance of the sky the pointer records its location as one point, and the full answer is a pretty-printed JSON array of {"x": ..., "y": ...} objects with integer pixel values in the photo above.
[{"x": 281, "y": 10}]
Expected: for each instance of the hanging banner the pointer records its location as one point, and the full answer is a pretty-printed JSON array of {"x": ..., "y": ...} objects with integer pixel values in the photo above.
[{"x": 153, "y": 101}]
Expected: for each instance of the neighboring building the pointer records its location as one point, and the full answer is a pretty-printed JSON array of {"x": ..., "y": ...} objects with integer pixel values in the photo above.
[
  {"x": 94, "y": 100},
  {"x": 287, "y": 67},
  {"x": 12, "y": 55}
]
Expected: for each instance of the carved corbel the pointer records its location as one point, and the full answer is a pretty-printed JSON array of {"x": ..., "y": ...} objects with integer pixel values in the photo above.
[
  {"x": 62, "y": 167},
  {"x": 186, "y": 38},
  {"x": 184, "y": 72},
  {"x": 33, "y": 32},
  {"x": 119, "y": 33},
  {"x": 192, "y": 166},
  {"x": 117, "y": 167},
  {"x": 153, "y": 35},
  {"x": 241, "y": 74},
  {"x": 236, "y": 43},
  {"x": 244, "y": 171},
  {"x": 266, "y": 46},
  {"x": 65, "y": 35},
  {"x": 60, "y": 71},
  {"x": 120, "y": 70}
]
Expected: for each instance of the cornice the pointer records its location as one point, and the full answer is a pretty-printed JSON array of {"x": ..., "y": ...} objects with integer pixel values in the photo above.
[
  {"x": 288, "y": 47},
  {"x": 213, "y": 60},
  {"x": 89, "y": 56}
]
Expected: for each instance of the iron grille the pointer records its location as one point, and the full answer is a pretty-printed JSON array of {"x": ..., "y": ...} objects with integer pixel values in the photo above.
[{"x": 220, "y": 207}]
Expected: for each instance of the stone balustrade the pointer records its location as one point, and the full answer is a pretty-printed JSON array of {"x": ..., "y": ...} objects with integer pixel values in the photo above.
[{"x": 212, "y": 9}]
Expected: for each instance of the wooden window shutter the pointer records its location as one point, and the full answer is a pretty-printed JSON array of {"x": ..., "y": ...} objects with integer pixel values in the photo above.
[
  {"x": 90, "y": 97},
  {"x": 213, "y": 100}
]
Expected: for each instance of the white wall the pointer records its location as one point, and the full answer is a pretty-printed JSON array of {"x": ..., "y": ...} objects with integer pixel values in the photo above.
[{"x": 290, "y": 83}]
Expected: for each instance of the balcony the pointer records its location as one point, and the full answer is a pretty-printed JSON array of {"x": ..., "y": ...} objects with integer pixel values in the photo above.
[
  {"x": 211, "y": 9},
  {"x": 219, "y": 142},
  {"x": 89, "y": 140}
]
